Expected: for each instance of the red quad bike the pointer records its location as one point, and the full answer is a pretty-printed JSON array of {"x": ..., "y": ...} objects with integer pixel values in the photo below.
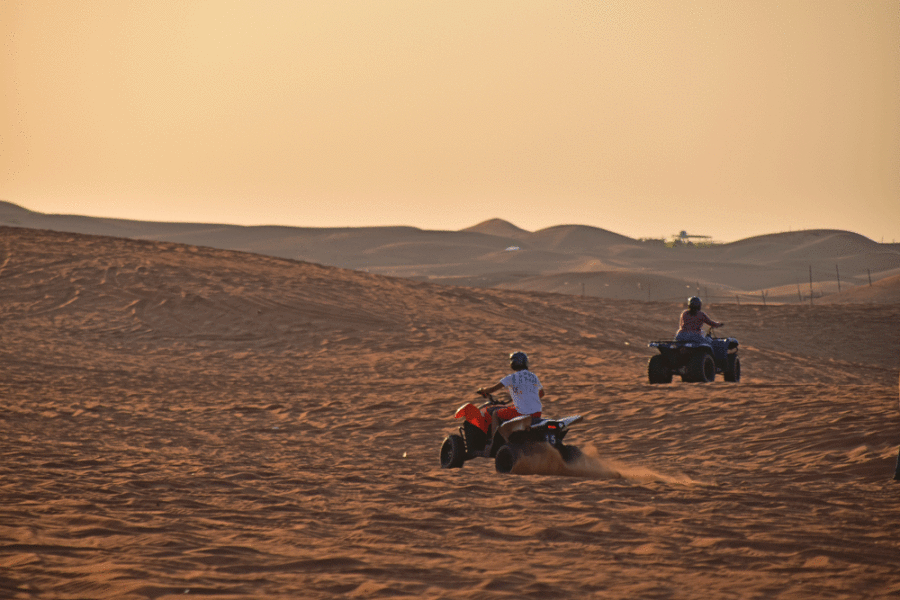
[{"x": 509, "y": 443}]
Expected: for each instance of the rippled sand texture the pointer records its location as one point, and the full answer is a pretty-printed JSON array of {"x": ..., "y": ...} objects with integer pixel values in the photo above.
[{"x": 179, "y": 421}]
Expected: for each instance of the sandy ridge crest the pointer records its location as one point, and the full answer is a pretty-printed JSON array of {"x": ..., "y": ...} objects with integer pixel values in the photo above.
[{"x": 784, "y": 267}]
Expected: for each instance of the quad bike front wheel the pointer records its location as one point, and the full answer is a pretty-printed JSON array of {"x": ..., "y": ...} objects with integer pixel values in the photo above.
[
  {"x": 733, "y": 372},
  {"x": 453, "y": 452}
]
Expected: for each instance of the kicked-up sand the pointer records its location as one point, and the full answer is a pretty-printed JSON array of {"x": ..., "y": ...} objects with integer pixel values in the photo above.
[{"x": 180, "y": 421}]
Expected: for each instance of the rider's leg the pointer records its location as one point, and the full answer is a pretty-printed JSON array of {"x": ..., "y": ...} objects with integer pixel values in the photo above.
[
  {"x": 503, "y": 414},
  {"x": 495, "y": 424}
]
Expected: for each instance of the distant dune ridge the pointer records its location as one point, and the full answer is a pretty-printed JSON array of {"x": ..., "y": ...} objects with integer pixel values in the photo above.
[
  {"x": 181, "y": 420},
  {"x": 571, "y": 259}
]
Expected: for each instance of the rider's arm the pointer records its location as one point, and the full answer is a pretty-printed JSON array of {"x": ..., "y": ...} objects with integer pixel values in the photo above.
[
  {"x": 705, "y": 318},
  {"x": 541, "y": 393},
  {"x": 490, "y": 390}
]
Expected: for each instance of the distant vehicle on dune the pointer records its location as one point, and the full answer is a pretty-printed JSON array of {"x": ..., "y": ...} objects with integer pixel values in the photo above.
[{"x": 695, "y": 361}]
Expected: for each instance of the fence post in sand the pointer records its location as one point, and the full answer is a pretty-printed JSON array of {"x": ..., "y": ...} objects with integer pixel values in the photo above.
[
  {"x": 763, "y": 293},
  {"x": 810, "y": 286},
  {"x": 836, "y": 270}
]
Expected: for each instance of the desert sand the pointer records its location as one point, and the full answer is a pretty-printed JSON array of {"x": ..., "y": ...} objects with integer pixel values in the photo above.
[{"x": 179, "y": 420}]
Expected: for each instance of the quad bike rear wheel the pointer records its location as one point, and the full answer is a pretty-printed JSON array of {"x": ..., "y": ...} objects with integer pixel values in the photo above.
[
  {"x": 658, "y": 371},
  {"x": 506, "y": 459},
  {"x": 569, "y": 453},
  {"x": 702, "y": 368},
  {"x": 453, "y": 452}
]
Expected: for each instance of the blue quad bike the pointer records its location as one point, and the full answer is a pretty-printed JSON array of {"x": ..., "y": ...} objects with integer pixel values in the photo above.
[{"x": 695, "y": 361}]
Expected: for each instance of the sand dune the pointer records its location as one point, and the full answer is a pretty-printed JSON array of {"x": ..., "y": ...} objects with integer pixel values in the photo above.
[
  {"x": 499, "y": 228},
  {"x": 180, "y": 421},
  {"x": 620, "y": 285},
  {"x": 496, "y": 253},
  {"x": 884, "y": 291},
  {"x": 801, "y": 245},
  {"x": 578, "y": 239}
]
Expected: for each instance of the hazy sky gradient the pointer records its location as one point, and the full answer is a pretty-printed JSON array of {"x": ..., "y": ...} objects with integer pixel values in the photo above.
[{"x": 726, "y": 118}]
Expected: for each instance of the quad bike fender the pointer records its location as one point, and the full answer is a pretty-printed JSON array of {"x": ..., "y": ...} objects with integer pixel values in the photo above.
[
  {"x": 571, "y": 420},
  {"x": 470, "y": 413},
  {"x": 518, "y": 424}
]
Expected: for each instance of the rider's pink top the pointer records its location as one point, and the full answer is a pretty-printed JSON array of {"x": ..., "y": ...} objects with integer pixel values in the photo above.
[{"x": 695, "y": 322}]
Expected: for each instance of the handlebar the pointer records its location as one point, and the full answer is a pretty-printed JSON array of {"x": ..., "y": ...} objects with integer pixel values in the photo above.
[
  {"x": 710, "y": 334},
  {"x": 491, "y": 401}
]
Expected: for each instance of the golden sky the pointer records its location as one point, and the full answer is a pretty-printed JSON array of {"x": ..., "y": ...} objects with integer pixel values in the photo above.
[{"x": 724, "y": 118}]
